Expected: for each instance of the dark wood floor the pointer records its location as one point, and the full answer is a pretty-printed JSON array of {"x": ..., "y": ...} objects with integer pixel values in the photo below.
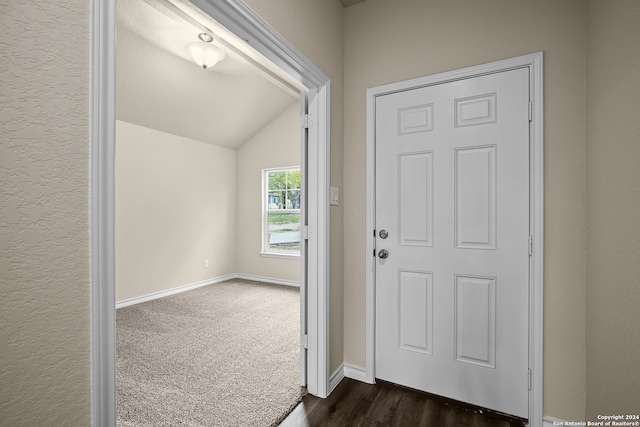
[{"x": 354, "y": 403}]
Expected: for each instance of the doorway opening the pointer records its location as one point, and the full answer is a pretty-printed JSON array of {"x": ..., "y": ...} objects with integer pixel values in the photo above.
[
  {"x": 244, "y": 24},
  {"x": 191, "y": 145}
]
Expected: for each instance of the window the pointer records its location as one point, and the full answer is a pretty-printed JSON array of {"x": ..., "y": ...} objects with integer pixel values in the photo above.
[{"x": 281, "y": 213}]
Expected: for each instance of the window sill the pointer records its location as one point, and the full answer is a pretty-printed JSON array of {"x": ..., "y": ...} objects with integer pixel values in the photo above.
[{"x": 277, "y": 255}]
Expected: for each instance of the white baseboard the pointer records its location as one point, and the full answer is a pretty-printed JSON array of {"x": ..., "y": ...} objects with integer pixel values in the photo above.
[
  {"x": 354, "y": 372},
  {"x": 191, "y": 286},
  {"x": 267, "y": 280},
  {"x": 551, "y": 422},
  {"x": 336, "y": 377},
  {"x": 346, "y": 371}
]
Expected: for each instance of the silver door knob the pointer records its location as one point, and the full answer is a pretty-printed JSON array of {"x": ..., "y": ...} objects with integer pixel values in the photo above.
[
  {"x": 383, "y": 234},
  {"x": 383, "y": 254}
]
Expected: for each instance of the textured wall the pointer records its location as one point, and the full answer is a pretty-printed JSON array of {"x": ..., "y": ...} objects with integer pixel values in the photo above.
[
  {"x": 391, "y": 41},
  {"x": 315, "y": 28},
  {"x": 277, "y": 145},
  {"x": 613, "y": 196},
  {"x": 44, "y": 222},
  {"x": 175, "y": 208}
]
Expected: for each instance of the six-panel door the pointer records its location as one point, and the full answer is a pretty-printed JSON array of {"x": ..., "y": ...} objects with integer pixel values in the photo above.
[{"x": 452, "y": 190}]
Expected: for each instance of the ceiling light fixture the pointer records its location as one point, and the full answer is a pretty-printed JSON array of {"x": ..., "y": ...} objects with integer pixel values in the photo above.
[{"x": 204, "y": 53}]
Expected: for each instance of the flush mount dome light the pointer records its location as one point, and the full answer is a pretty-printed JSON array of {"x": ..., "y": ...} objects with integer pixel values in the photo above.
[{"x": 204, "y": 53}]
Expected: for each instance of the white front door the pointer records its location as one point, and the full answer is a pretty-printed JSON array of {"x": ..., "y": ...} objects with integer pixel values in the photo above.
[{"x": 452, "y": 196}]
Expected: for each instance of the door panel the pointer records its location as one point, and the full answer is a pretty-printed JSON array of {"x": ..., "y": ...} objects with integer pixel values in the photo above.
[
  {"x": 452, "y": 191},
  {"x": 415, "y": 313},
  {"x": 475, "y": 192},
  {"x": 475, "y": 320},
  {"x": 416, "y": 199}
]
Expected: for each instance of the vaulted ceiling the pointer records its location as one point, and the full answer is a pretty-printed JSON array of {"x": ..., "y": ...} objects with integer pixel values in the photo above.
[{"x": 160, "y": 87}]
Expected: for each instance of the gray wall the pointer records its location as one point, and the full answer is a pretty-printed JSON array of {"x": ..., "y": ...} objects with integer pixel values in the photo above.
[
  {"x": 276, "y": 146},
  {"x": 175, "y": 207},
  {"x": 613, "y": 206}
]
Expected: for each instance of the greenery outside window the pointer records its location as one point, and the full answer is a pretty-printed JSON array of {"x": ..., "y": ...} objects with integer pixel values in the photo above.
[{"x": 281, "y": 213}]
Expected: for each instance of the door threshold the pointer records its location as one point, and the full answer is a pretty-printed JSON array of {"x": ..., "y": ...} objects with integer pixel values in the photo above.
[{"x": 460, "y": 406}]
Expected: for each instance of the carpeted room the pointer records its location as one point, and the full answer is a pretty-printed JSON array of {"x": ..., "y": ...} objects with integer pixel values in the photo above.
[
  {"x": 224, "y": 354},
  {"x": 189, "y": 170}
]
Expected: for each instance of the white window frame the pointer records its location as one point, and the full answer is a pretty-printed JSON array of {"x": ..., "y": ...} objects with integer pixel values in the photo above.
[{"x": 265, "y": 251}]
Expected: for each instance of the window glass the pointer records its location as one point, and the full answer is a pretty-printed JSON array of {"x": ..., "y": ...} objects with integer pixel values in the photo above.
[{"x": 282, "y": 211}]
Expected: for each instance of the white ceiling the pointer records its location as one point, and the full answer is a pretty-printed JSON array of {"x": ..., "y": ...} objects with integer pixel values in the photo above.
[{"x": 160, "y": 87}]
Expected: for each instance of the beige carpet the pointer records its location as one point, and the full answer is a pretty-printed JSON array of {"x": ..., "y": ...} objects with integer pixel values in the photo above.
[{"x": 221, "y": 355}]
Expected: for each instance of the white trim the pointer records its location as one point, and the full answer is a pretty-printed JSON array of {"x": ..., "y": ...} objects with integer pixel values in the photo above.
[
  {"x": 370, "y": 221},
  {"x": 317, "y": 244},
  {"x": 271, "y": 280},
  {"x": 321, "y": 233},
  {"x": 358, "y": 373},
  {"x": 244, "y": 23},
  {"x": 238, "y": 18},
  {"x": 304, "y": 324},
  {"x": 550, "y": 422},
  {"x": 202, "y": 283},
  {"x": 535, "y": 64},
  {"x": 345, "y": 370},
  {"x": 172, "y": 291},
  {"x": 279, "y": 255},
  {"x": 336, "y": 378},
  {"x": 536, "y": 301},
  {"x": 102, "y": 185}
]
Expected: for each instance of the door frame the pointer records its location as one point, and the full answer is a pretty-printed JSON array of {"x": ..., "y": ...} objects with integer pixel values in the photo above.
[
  {"x": 534, "y": 62},
  {"x": 244, "y": 23}
]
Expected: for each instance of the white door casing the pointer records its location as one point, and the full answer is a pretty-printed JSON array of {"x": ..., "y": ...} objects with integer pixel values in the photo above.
[
  {"x": 475, "y": 185},
  {"x": 244, "y": 23}
]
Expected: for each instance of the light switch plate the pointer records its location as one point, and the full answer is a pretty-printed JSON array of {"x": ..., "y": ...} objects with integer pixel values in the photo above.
[{"x": 335, "y": 196}]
